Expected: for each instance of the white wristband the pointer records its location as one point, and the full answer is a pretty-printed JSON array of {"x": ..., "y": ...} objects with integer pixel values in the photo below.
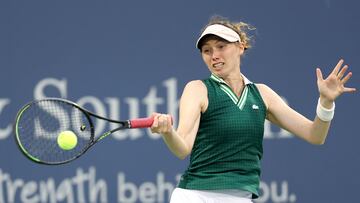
[{"x": 323, "y": 113}]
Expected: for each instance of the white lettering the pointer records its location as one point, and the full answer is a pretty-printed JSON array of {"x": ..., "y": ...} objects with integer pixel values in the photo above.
[
  {"x": 29, "y": 190},
  {"x": 172, "y": 100},
  {"x": 114, "y": 113},
  {"x": 12, "y": 187},
  {"x": 97, "y": 187},
  {"x": 126, "y": 191},
  {"x": 47, "y": 191},
  {"x": 81, "y": 188},
  {"x": 86, "y": 187},
  {"x": 165, "y": 187},
  {"x": 270, "y": 133},
  {"x": 3, "y": 178},
  {"x": 59, "y": 115},
  {"x": 274, "y": 193},
  {"x": 60, "y": 85},
  {"x": 79, "y": 181},
  {"x": 4, "y": 132},
  {"x": 99, "y": 109},
  {"x": 149, "y": 192},
  {"x": 65, "y": 191},
  {"x": 151, "y": 101}
]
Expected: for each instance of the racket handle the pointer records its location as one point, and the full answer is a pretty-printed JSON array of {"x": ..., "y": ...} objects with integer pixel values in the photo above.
[{"x": 142, "y": 122}]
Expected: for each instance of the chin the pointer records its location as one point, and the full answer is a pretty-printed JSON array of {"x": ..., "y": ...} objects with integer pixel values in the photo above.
[{"x": 219, "y": 73}]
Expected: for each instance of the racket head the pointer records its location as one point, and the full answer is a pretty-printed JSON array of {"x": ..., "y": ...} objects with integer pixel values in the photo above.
[{"x": 38, "y": 124}]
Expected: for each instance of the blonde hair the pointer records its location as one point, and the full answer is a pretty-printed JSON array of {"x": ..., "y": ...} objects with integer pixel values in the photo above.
[{"x": 239, "y": 27}]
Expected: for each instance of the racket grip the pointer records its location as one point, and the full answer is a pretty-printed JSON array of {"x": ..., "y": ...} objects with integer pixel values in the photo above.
[{"x": 141, "y": 122}]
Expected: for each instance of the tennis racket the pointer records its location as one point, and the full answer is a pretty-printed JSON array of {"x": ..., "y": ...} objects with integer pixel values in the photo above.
[{"x": 39, "y": 123}]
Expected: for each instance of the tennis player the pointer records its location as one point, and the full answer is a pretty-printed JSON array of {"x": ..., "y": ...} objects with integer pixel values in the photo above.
[{"x": 221, "y": 120}]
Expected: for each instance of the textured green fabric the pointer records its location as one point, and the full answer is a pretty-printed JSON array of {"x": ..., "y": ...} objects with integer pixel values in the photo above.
[{"x": 228, "y": 146}]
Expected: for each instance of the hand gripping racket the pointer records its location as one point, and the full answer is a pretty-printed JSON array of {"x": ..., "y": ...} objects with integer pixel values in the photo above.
[{"x": 39, "y": 123}]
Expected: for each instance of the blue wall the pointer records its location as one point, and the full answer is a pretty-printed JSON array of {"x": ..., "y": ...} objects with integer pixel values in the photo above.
[{"x": 128, "y": 58}]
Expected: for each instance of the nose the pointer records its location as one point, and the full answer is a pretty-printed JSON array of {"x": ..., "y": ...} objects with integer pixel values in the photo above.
[{"x": 215, "y": 55}]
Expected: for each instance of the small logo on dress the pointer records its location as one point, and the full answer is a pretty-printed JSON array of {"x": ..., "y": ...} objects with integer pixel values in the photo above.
[{"x": 254, "y": 106}]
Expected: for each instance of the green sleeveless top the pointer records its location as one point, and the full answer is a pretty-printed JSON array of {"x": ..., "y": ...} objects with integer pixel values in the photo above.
[{"x": 228, "y": 146}]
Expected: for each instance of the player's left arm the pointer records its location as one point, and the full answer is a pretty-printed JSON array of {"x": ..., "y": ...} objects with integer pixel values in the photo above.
[{"x": 313, "y": 131}]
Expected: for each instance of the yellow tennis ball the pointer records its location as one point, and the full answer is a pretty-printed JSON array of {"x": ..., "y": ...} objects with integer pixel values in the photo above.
[{"x": 67, "y": 140}]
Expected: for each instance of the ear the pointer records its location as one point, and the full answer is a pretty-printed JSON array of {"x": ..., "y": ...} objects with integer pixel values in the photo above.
[{"x": 241, "y": 47}]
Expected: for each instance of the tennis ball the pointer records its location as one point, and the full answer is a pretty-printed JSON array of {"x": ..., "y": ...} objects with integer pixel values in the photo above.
[{"x": 67, "y": 140}]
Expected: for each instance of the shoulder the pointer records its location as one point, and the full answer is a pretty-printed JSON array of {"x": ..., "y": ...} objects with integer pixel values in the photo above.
[
  {"x": 195, "y": 92},
  {"x": 197, "y": 86},
  {"x": 270, "y": 97},
  {"x": 266, "y": 93},
  {"x": 263, "y": 88}
]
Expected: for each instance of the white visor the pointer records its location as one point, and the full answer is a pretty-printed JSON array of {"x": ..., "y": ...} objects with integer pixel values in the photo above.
[{"x": 221, "y": 31}]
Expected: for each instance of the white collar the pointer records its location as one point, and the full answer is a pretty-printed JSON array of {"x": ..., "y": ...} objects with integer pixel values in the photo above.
[{"x": 220, "y": 80}]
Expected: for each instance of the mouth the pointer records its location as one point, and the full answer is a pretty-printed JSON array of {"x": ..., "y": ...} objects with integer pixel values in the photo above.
[{"x": 218, "y": 65}]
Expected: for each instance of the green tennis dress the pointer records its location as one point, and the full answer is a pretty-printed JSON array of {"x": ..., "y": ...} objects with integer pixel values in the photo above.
[{"x": 228, "y": 146}]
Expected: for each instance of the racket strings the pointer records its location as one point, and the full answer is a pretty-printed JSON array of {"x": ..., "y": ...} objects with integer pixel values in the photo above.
[{"x": 40, "y": 124}]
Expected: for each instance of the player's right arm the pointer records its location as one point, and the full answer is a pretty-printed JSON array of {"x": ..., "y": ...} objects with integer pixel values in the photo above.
[{"x": 193, "y": 101}]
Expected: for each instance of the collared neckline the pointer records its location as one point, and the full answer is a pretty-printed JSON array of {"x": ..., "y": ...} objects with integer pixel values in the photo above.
[
  {"x": 238, "y": 101},
  {"x": 220, "y": 80}
]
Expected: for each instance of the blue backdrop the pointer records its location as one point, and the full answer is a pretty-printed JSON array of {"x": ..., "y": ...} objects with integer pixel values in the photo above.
[{"x": 124, "y": 59}]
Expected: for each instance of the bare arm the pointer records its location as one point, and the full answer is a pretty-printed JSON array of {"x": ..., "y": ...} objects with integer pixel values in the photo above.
[
  {"x": 193, "y": 101},
  {"x": 280, "y": 114},
  {"x": 313, "y": 131}
]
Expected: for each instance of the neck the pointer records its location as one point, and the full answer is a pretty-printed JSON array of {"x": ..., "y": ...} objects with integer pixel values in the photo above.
[{"x": 236, "y": 83}]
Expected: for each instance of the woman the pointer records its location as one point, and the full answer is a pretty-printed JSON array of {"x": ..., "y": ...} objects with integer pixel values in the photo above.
[{"x": 221, "y": 120}]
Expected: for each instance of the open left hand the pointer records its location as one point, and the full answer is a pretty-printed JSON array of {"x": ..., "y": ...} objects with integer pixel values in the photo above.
[{"x": 334, "y": 85}]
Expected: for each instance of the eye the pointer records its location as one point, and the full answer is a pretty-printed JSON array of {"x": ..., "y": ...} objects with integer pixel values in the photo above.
[
  {"x": 221, "y": 45},
  {"x": 205, "y": 50}
]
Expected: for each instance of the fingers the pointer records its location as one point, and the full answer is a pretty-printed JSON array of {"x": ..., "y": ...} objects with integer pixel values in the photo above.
[
  {"x": 319, "y": 74},
  {"x": 334, "y": 84},
  {"x": 342, "y": 72},
  {"x": 156, "y": 121},
  {"x": 339, "y": 72},
  {"x": 349, "y": 89},
  {"x": 337, "y": 67},
  {"x": 162, "y": 123},
  {"x": 163, "y": 120},
  {"x": 346, "y": 78}
]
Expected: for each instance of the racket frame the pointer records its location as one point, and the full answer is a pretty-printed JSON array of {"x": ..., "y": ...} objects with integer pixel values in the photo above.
[{"x": 124, "y": 124}]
